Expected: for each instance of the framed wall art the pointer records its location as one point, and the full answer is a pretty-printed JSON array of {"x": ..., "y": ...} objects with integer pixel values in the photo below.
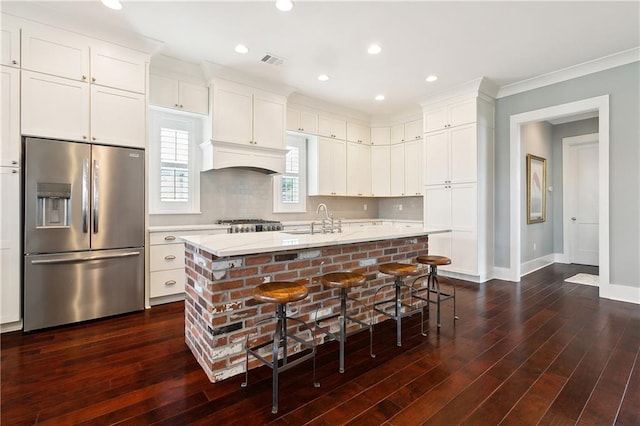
[{"x": 536, "y": 193}]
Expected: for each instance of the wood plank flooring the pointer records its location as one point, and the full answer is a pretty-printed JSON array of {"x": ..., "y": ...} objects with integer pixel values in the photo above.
[{"x": 539, "y": 352}]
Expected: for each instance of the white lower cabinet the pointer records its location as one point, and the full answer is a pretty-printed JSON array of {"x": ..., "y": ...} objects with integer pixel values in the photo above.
[
  {"x": 10, "y": 253},
  {"x": 166, "y": 263},
  {"x": 454, "y": 207}
]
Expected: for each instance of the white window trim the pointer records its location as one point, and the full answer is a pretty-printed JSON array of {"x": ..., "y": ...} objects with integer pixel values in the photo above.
[
  {"x": 301, "y": 207},
  {"x": 156, "y": 206}
]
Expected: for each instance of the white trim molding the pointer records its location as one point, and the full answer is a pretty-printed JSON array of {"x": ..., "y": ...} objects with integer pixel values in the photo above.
[
  {"x": 535, "y": 264},
  {"x": 586, "y": 68},
  {"x": 600, "y": 104}
]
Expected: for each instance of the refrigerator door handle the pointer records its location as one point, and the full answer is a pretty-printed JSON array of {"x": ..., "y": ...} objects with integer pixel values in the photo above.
[
  {"x": 85, "y": 194},
  {"x": 84, "y": 259},
  {"x": 96, "y": 196}
]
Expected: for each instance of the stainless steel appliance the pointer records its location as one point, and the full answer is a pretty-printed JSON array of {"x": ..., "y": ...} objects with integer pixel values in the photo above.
[
  {"x": 83, "y": 231},
  {"x": 251, "y": 225}
]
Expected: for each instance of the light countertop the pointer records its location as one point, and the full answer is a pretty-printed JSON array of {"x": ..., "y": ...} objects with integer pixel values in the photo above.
[
  {"x": 224, "y": 245},
  {"x": 182, "y": 228}
]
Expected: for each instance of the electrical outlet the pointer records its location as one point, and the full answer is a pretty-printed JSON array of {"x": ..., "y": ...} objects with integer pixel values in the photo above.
[
  {"x": 323, "y": 312},
  {"x": 534, "y": 246},
  {"x": 400, "y": 207},
  {"x": 364, "y": 206}
]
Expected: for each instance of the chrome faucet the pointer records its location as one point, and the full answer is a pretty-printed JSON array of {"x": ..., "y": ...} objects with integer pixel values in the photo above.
[{"x": 323, "y": 206}]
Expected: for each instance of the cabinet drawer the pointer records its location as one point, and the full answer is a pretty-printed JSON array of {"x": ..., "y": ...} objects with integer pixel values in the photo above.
[
  {"x": 169, "y": 256},
  {"x": 165, "y": 283},
  {"x": 170, "y": 237}
]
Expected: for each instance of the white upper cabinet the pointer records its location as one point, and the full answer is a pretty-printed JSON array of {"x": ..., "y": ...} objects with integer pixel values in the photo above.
[
  {"x": 358, "y": 169},
  {"x": 56, "y": 52},
  {"x": 409, "y": 131},
  {"x": 54, "y": 107},
  {"x": 380, "y": 170},
  {"x": 10, "y": 36},
  {"x": 118, "y": 67},
  {"x": 60, "y": 53},
  {"x": 118, "y": 117},
  {"x": 245, "y": 115},
  {"x": 327, "y": 166},
  {"x": 268, "y": 119},
  {"x": 397, "y": 169},
  {"x": 380, "y": 136},
  {"x": 450, "y": 115},
  {"x": 10, "y": 130},
  {"x": 332, "y": 127},
  {"x": 175, "y": 94},
  {"x": 302, "y": 121},
  {"x": 412, "y": 165},
  {"x": 61, "y": 108},
  {"x": 358, "y": 133},
  {"x": 451, "y": 155}
]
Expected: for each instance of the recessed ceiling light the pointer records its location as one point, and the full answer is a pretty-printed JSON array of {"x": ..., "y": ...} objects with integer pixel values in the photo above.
[
  {"x": 379, "y": 97},
  {"x": 284, "y": 5},
  {"x": 323, "y": 77},
  {"x": 112, "y": 4},
  {"x": 374, "y": 49},
  {"x": 431, "y": 78},
  {"x": 241, "y": 48}
]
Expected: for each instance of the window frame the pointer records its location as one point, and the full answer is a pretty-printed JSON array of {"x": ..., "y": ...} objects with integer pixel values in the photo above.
[
  {"x": 159, "y": 118},
  {"x": 300, "y": 142}
]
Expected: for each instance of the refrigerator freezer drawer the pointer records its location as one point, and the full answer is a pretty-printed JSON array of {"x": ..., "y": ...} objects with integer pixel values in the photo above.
[{"x": 71, "y": 287}]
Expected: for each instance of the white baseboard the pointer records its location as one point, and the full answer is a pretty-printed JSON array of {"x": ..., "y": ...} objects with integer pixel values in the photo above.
[
  {"x": 11, "y": 326},
  {"x": 622, "y": 293},
  {"x": 535, "y": 264},
  {"x": 166, "y": 299},
  {"x": 504, "y": 274},
  {"x": 561, "y": 258}
]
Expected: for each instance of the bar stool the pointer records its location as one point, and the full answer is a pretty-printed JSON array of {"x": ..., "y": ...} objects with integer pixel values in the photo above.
[
  {"x": 433, "y": 286},
  {"x": 399, "y": 309},
  {"x": 280, "y": 293},
  {"x": 344, "y": 281}
]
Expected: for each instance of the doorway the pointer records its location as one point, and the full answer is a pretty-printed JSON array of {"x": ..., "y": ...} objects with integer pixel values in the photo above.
[
  {"x": 580, "y": 199},
  {"x": 598, "y": 104}
]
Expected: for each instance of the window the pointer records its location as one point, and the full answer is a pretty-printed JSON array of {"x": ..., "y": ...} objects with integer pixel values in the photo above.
[
  {"x": 290, "y": 188},
  {"x": 174, "y": 172}
]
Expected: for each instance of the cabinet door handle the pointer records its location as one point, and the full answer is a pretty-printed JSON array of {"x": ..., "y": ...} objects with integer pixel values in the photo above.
[
  {"x": 14, "y": 162},
  {"x": 169, "y": 257},
  {"x": 93, "y": 79},
  {"x": 170, "y": 283},
  {"x": 175, "y": 105},
  {"x": 84, "y": 77},
  {"x": 14, "y": 171},
  {"x": 14, "y": 62},
  {"x": 181, "y": 106},
  {"x": 169, "y": 238}
]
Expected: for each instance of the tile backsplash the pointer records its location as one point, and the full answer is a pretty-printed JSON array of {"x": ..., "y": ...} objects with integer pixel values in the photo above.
[{"x": 235, "y": 193}]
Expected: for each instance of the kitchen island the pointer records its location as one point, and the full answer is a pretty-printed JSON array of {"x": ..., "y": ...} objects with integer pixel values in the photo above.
[{"x": 222, "y": 271}]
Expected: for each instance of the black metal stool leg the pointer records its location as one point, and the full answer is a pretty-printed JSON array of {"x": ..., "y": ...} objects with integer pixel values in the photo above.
[
  {"x": 398, "y": 311},
  {"x": 343, "y": 326},
  {"x": 276, "y": 348}
]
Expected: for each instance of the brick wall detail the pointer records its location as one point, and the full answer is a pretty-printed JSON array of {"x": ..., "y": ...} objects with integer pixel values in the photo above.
[{"x": 220, "y": 312}]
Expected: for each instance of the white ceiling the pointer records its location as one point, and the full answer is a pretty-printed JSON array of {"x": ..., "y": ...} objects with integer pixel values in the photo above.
[{"x": 506, "y": 42}]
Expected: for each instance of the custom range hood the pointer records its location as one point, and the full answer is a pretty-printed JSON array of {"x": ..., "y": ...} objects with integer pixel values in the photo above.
[{"x": 223, "y": 155}]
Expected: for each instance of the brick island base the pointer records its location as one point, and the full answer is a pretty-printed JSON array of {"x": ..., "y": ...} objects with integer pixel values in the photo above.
[{"x": 220, "y": 311}]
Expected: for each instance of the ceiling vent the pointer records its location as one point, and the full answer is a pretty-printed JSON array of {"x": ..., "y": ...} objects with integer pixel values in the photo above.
[{"x": 271, "y": 59}]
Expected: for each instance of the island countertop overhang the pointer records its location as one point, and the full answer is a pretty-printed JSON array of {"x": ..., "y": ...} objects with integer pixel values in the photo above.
[{"x": 226, "y": 245}]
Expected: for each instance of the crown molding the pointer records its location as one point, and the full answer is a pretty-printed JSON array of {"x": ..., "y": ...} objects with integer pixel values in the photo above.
[{"x": 575, "y": 71}]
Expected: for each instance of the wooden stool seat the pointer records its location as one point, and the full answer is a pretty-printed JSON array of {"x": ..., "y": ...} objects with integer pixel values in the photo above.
[
  {"x": 398, "y": 269},
  {"x": 434, "y": 260},
  {"x": 344, "y": 280},
  {"x": 280, "y": 292}
]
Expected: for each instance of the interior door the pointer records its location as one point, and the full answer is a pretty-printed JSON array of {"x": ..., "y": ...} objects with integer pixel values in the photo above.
[
  {"x": 117, "y": 194},
  {"x": 582, "y": 183}
]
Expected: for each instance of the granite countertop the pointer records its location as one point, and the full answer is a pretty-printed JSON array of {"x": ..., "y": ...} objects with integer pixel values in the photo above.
[{"x": 224, "y": 245}]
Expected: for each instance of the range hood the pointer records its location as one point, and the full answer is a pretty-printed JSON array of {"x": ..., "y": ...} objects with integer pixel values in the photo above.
[{"x": 223, "y": 155}]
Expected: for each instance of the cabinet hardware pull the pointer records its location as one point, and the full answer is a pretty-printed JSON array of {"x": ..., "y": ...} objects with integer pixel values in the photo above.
[
  {"x": 14, "y": 162},
  {"x": 93, "y": 138},
  {"x": 170, "y": 282},
  {"x": 84, "y": 137},
  {"x": 181, "y": 106},
  {"x": 176, "y": 105},
  {"x": 14, "y": 171},
  {"x": 169, "y": 257},
  {"x": 14, "y": 62},
  {"x": 169, "y": 238},
  {"x": 93, "y": 79},
  {"x": 84, "y": 77}
]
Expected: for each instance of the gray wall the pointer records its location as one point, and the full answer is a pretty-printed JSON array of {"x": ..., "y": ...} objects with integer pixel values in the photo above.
[
  {"x": 558, "y": 132},
  {"x": 537, "y": 238},
  {"x": 623, "y": 85}
]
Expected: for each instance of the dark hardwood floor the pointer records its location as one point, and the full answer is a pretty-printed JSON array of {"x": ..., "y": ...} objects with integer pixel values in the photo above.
[{"x": 539, "y": 352}]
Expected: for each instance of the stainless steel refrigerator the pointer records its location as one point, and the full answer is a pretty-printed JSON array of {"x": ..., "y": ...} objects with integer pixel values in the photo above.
[{"x": 83, "y": 231}]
